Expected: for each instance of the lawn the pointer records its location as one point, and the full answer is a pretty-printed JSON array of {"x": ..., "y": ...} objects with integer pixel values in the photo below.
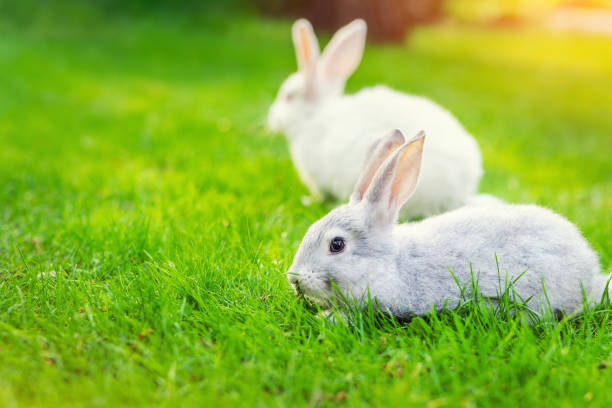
[{"x": 147, "y": 217}]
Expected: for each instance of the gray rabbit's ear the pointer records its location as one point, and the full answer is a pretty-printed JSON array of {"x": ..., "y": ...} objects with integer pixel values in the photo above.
[
  {"x": 395, "y": 181},
  {"x": 306, "y": 46},
  {"x": 379, "y": 151},
  {"x": 344, "y": 51}
]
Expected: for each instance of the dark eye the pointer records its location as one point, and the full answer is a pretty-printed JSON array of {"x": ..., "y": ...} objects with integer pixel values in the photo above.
[{"x": 336, "y": 245}]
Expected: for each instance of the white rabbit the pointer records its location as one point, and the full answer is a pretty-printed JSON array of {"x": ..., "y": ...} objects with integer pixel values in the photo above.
[
  {"x": 330, "y": 133},
  {"x": 405, "y": 267}
]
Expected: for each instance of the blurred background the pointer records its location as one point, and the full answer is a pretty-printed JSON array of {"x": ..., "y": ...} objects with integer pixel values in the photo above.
[{"x": 388, "y": 20}]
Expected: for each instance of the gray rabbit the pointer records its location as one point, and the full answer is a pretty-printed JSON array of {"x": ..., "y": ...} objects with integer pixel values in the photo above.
[{"x": 361, "y": 249}]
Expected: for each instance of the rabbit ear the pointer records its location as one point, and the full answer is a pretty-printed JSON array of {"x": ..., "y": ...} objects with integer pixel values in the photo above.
[
  {"x": 306, "y": 46},
  {"x": 379, "y": 151},
  {"x": 343, "y": 53},
  {"x": 395, "y": 181}
]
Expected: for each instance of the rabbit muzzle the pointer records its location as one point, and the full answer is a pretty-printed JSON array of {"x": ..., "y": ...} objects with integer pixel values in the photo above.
[{"x": 312, "y": 286}]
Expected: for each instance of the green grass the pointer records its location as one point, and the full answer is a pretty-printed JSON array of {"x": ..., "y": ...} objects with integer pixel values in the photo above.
[{"x": 135, "y": 165}]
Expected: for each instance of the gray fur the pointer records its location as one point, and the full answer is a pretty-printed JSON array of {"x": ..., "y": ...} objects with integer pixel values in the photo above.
[{"x": 406, "y": 267}]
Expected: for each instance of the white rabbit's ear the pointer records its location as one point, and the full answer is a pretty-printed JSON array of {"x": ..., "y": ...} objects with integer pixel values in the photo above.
[
  {"x": 378, "y": 152},
  {"x": 343, "y": 53},
  {"x": 395, "y": 181},
  {"x": 306, "y": 46}
]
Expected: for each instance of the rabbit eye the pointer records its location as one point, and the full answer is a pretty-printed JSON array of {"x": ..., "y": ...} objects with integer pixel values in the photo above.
[
  {"x": 290, "y": 96},
  {"x": 336, "y": 245}
]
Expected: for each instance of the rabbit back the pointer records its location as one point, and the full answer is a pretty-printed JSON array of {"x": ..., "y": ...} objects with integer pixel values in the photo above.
[{"x": 473, "y": 241}]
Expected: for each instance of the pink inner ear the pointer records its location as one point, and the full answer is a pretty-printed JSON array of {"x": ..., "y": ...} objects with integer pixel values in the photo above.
[
  {"x": 343, "y": 53},
  {"x": 304, "y": 48},
  {"x": 377, "y": 157},
  {"x": 344, "y": 61},
  {"x": 407, "y": 173}
]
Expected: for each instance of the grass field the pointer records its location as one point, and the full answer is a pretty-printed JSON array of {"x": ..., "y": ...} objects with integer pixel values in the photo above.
[{"x": 147, "y": 218}]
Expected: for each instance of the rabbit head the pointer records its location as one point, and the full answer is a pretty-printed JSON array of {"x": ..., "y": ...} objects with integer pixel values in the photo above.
[
  {"x": 318, "y": 77},
  {"x": 352, "y": 249}
]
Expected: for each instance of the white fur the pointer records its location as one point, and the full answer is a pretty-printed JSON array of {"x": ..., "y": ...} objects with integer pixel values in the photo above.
[
  {"x": 405, "y": 267},
  {"x": 330, "y": 133}
]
